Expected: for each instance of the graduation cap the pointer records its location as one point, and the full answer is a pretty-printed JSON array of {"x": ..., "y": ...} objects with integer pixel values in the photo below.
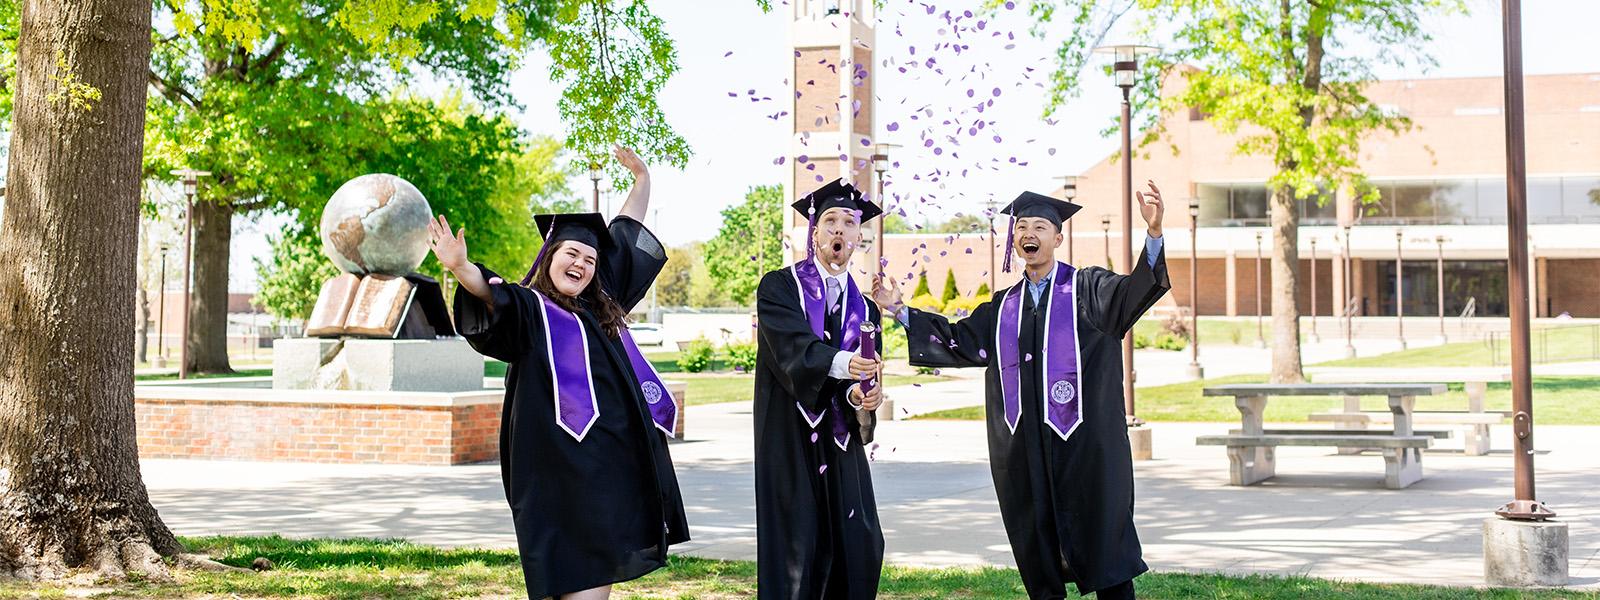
[
  {"x": 834, "y": 194},
  {"x": 1029, "y": 204},
  {"x": 586, "y": 228}
]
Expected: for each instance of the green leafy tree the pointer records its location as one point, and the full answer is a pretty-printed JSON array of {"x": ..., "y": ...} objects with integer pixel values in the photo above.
[
  {"x": 963, "y": 223},
  {"x": 950, "y": 292},
  {"x": 676, "y": 278},
  {"x": 1287, "y": 77},
  {"x": 922, "y": 288},
  {"x": 983, "y": 291},
  {"x": 475, "y": 170},
  {"x": 749, "y": 244},
  {"x": 894, "y": 223}
]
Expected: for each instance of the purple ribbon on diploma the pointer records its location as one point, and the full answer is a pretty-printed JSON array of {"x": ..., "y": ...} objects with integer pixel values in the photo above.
[
  {"x": 809, "y": 282},
  {"x": 576, "y": 406},
  {"x": 1063, "y": 408}
]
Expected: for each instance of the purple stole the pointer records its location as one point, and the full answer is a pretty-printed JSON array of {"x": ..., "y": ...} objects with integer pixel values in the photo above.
[
  {"x": 1063, "y": 410},
  {"x": 813, "y": 303},
  {"x": 576, "y": 407}
]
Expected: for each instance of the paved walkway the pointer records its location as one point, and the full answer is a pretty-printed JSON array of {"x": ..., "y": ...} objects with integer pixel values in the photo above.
[{"x": 1325, "y": 516}]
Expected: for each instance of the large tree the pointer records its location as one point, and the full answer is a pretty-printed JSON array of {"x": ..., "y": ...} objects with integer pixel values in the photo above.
[
  {"x": 1288, "y": 77},
  {"x": 749, "y": 244},
  {"x": 70, "y": 487},
  {"x": 267, "y": 95}
]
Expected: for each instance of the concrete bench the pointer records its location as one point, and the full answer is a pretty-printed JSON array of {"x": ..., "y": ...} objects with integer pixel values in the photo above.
[
  {"x": 1474, "y": 380},
  {"x": 1252, "y": 448}
]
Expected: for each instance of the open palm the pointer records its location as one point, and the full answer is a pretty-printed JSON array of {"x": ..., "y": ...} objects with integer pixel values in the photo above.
[{"x": 450, "y": 249}]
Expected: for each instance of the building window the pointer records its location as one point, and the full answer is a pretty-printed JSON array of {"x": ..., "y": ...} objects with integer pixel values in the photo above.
[{"x": 1414, "y": 202}]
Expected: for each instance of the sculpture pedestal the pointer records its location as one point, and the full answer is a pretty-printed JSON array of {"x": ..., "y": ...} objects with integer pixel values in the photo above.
[{"x": 449, "y": 365}]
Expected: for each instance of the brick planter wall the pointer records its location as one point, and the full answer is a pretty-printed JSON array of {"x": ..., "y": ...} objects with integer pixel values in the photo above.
[{"x": 252, "y": 424}]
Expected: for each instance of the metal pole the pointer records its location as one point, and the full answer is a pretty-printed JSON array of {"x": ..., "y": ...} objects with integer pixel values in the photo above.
[
  {"x": 1128, "y": 372},
  {"x": 1524, "y": 506},
  {"x": 1440, "y": 241},
  {"x": 991, "y": 205},
  {"x": 1261, "y": 338},
  {"x": 1344, "y": 296},
  {"x": 1399, "y": 288},
  {"x": 161, "y": 315},
  {"x": 877, "y": 233},
  {"x": 188, "y": 273},
  {"x": 1195, "y": 369},
  {"x": 1314, "y": 336},
  {"x": 1069, "y": 246}
]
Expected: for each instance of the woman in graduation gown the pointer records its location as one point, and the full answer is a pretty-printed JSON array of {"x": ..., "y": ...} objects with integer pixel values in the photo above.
[
  {"x": 583, "y": 435},
  {"x": 1059, "y": 451}
]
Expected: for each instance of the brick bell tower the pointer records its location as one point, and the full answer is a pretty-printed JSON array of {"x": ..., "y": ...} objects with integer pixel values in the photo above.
[{"x": 831, "y": 122}]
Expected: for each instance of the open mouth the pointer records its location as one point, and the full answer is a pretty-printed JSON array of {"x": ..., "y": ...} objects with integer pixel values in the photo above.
[
  {"x": 1030, "y": 247},
  {"x": 574, "y": 276},
  {"x": 838, "y": 246}
]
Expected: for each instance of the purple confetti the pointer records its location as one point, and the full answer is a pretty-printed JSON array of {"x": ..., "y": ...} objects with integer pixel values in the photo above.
[
  {"x": 813, "y": 437},
  {"x": 822, "y": 469},
  {"x": 894, "y": 127}
]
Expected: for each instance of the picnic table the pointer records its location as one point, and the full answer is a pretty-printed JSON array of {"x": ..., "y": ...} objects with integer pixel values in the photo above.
[
  {"x": 1252, "y": 448},
  {"x": 1475, "y": 420}
]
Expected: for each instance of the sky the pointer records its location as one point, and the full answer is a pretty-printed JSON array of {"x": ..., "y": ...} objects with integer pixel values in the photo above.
[{"x": 731, "y": 46}]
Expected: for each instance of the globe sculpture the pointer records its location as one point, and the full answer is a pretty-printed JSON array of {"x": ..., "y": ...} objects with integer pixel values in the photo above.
[{"x": 376, "y": 223}]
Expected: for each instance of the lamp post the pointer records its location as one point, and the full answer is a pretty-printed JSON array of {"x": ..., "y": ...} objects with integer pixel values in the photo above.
[
  {"x": 880, "y": 164},
  {"x": 191, "y": 184},
  {"x": 1439, "y": 239},
  {"x": 1125, "y": 67},
  {"x": 594, "y": 177},
  {"x": 1261, "y": 338},
  {"x": 1524, "y": 506},
  {"x": 1195, "y": 370},
  {"x": 1069, "y": 191},
  {"x": 1105, "y": 233},
  {"x": 990, "y": 206},
  {"x": 161, "y": 311},
  {"x": 1399, "y": 288},
  {"x": 1314, "y": 337},
  {"x": 1344, "y": 296}
]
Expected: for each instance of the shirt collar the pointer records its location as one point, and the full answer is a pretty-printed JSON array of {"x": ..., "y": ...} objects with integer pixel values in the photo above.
[
  {"x": 1041, "y": 282},
  {"x": 840, "y": 279}
]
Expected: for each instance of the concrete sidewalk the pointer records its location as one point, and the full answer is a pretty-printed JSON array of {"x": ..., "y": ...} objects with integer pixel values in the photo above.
[{"x": 1324, "y": 516}]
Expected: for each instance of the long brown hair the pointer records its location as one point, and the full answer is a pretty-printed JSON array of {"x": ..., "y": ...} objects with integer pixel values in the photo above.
[{"x": 605, "y": 310}]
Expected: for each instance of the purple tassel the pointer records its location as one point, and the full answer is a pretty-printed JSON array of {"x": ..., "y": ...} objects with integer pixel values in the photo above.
[
  {"x": 1010, "y": 231},
  {"x": 811, "y": 231}
]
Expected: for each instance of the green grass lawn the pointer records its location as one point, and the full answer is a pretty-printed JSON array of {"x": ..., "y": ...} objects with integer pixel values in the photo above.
[
  {"x": 1224, "y": 332},
  {"x": 1557, "y": 401},
  {"x": 363, "y": 569},
  {"x": 261, "y": 372},
  {"x": 1551, "y": 344}
]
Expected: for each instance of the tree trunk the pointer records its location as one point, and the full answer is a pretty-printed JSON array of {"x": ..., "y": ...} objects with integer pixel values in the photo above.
[
  {"x": 143, "y": 328},
  {"x": 1285, "y": 282},
  {"x": 70, "y": 487},
  {"x": 208, "y": 311}
]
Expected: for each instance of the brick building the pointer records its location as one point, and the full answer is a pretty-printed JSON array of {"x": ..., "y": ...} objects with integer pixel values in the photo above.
[{"x": 1443, "y": 179}]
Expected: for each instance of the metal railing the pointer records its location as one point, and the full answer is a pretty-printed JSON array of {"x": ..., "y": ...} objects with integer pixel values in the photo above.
[{"x": 1549, "y": 344}]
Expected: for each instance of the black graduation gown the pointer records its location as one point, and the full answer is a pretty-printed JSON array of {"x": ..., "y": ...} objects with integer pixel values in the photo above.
[
  {"x": 591, "y": 513},
  {"x": 811, "y": 522},
  {"x": 1062, "y": 501}
]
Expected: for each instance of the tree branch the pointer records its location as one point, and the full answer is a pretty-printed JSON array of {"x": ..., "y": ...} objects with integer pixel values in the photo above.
[
  {"x": 271, "y": 56},
  {"x": 173, "y": 91}
]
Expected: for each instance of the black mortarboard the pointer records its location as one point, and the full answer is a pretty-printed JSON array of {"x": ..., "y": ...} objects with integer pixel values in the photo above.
[
  {"x": 587, "y": 228},
  {"x": 834, "y": 194},
  {"x": 1029, "y": 204}
]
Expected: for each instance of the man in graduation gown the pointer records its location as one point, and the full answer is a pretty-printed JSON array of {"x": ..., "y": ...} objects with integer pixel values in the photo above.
[
  {"x": 817, "y": 532},
  {"x": 1058, "y": 442}
]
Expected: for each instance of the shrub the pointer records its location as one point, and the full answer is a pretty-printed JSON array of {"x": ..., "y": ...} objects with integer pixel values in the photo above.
[
  {"x": 742, "y": 357},
  {"x": 1167, "y": 341},
  {"x": 1142, "y": 341},
  {"x": 925, "y": 302},
  {"x": 961, "y": 307},
  {"x": 697, "y": 357}
]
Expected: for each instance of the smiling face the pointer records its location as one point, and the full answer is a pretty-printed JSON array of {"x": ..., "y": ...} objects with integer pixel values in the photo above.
[
  {"x": 572, "y": 267},
  {"x": 837, "y": 235},
  {"x": 1035, "y": 240}
]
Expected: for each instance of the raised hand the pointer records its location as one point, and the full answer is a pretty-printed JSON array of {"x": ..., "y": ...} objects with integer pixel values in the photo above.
[
  {"x": 451, "y": 250},
  {"x": 886, "y": 293},
  {"x": 631, "y": 160},
  {"x": 1152, "y": 208}
]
